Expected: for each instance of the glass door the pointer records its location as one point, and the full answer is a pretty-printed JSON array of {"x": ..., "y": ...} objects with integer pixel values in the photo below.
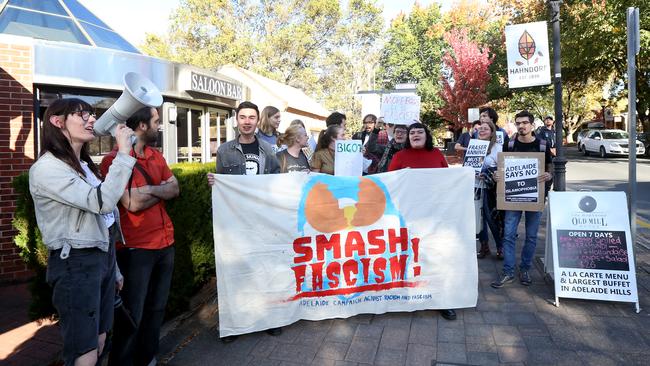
[
  {"x": 217, "y": 122},
  {"x": 189, "y": 134}
]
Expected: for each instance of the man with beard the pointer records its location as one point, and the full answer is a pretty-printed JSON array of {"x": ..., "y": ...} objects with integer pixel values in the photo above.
[
  {"x": 145, "y": 255},
  {"x": 386, "y": 151},
  {"x": 524, "y": 141}
]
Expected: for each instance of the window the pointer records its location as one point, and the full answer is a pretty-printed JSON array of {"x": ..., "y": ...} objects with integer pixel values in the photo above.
[
  {"x": 42, "y": 26},
  {"x": 45, "y": 6}
]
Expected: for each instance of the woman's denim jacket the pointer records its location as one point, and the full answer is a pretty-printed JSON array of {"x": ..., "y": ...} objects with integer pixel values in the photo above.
[{"x": 68, "y": 208}]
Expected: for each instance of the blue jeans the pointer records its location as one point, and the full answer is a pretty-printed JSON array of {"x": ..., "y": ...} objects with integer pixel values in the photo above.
[
  {"x": 512, "y": 219},
  {"x": 489, "y": 222}
]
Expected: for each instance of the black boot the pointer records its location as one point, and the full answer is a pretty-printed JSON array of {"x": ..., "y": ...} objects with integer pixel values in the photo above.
[{"x": 484, "y": 251}]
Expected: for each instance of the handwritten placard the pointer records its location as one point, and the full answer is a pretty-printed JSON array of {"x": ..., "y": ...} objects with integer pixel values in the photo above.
[
  {"x": 400, "y": 108},
  {"x": 348, "y": 159},
  {"x": 592, "y": 249}
]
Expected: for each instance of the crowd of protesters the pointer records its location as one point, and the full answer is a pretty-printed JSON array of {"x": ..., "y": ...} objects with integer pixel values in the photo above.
[{"x": 84, "y": 213}]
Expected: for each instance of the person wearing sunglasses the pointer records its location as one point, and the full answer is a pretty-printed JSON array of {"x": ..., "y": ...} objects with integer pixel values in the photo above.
[{"x": 79, "y": 223}]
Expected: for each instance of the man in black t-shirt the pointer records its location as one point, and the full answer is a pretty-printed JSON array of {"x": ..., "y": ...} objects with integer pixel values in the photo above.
[
  {"x": 246, "y": 155},
  {"x": 525, "y": 141}
]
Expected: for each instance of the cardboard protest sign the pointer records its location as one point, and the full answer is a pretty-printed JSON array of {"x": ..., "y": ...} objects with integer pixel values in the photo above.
[
  {"x": 500, "y": 136},
  {"x": 591, "y": 247},
  {"x": 348, "y": 159},
  {"x": 528, "y": 55},
  {"x": 475, "y": 154},
  {"x": 518, "y": 188},
  {"x": 400, "y": 108},
  {"x": 317, "y": 246}
]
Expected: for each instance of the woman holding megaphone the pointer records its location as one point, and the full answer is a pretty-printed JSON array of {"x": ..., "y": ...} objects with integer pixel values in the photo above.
[{"x": 79, "y": 224}]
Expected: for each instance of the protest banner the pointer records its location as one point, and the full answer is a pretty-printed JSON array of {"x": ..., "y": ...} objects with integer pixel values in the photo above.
[
  {"x": 475, "y": 154},
  {"x": 315, "y": 246},
  {"x": 528, "y": 55},
  {"x": 400, "y": 108},
  {"x": 592, "y": 254},
  {"x": 519, "y": 189},
  {"x": 348, "y": 159}
]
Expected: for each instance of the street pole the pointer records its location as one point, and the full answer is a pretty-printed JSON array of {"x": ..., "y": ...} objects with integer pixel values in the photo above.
[
  {"x": 559, "y": 162},
  {"x": 633, "y": 47}
]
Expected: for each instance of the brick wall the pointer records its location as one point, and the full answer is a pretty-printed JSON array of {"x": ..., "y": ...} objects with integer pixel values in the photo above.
[{"x": 16, "y": 146}]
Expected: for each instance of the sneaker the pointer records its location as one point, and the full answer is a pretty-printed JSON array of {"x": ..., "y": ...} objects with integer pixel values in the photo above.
[
  {"x": 525, "y": 279},
  {"x": 229, "y": 339},
  {"x": 502, "y": 281},
  {"x": 274, "y": 331},
  {"x": 448, "y": 314}
]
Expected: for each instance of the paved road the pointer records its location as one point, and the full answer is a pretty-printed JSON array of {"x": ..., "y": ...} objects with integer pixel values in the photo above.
[{"x": 610, "y": 174}]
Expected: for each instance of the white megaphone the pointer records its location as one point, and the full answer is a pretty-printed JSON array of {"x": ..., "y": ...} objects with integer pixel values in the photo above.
[{"x": 138, "y": 92}]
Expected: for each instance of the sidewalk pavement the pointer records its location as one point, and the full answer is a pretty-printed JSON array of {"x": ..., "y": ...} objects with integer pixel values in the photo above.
[
  {"x": 24, "y": 342},
  {"x": 515, "y": 325}
]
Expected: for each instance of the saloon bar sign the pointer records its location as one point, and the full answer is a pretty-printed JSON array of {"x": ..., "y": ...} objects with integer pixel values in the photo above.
[{"x": 213, "y": 86}]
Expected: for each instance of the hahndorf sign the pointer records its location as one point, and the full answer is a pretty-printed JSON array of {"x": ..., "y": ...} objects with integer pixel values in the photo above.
[{"x": 527, "y": 49}]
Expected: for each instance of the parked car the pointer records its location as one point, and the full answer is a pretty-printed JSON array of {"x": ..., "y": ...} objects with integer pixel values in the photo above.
[
  {"x": 608, "y": 142},
  {"x": 643, "y": 137},
  {"x": 581, "y": 134}
]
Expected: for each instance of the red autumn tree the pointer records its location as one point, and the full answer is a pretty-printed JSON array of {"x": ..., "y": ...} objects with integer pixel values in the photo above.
[{"x": 465, "y": 77}]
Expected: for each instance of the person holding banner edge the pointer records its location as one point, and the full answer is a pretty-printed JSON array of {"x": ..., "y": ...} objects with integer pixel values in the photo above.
[
  {"x": 323, "y": 159},
  {"x": 246, "y": 155},
  {"x": 525, "y": 141},
  {"x": 419, "y": 152}
]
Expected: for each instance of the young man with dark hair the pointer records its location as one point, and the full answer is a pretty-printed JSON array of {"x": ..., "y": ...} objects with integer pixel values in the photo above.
[
  {"x": 146, "y": 257},
  {"x": 525, "y": 141},
  {"x": 336, "y": 118},
  {"x": 246, "y": 155}
]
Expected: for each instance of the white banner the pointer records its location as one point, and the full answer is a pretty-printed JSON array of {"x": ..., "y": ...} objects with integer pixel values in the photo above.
[
  {"x": 475, "y": 154},
  {"x": 592, "y": 251},
  {"x": 528, "y": 55},
  {"x": 314, "y": 246},
  {"x": 348, "y": 159},
  {"x": 400, "y": 108}
]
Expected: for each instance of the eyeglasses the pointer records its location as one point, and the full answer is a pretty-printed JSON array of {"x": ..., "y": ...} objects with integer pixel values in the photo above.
[
  {"x": 522, "y": 123},
  {"x": 368, "y": 122},
  {"x": 400, "y": 132},
  {"x": 85, "y": 115}
]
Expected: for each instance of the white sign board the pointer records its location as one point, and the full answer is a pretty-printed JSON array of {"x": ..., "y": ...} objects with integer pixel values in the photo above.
[
  {"x": 592, "y": 250},
  {"x": 473, "y": 114},
  {"x": 317, "y": 246},
  {"x": 528, "y": 55},
  {"x": 475, "y": 154},
  {"x": 400, "y": 108},
  {"x": 348, "y": 159}
]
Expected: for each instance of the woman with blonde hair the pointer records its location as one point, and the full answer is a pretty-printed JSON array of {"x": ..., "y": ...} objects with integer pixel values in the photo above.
[
  {"x": 492, "y": 218},
  {"x": 293, "y": 159},
  {"x": 268, "y": 127}
]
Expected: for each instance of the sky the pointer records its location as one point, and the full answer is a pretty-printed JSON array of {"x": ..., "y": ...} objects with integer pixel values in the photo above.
[{"x": 134, "y": 18}]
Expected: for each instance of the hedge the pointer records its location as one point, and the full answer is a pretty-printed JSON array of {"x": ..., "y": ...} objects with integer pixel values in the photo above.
[{"x": 191, "y": 215}]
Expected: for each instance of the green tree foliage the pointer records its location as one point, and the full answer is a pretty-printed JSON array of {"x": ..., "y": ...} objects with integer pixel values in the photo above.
[
  {"x": 594, "y": 52},
  {"x": 325, "y": 48},
  {"x": 413, "y": 53}
]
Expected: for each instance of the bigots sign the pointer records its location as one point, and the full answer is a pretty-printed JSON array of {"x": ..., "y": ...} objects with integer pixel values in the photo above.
[{"x": 318, "y": 246}]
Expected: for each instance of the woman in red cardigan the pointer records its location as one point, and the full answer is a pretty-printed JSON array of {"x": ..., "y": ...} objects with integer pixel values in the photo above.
[{"x": 418, "y": 151}]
